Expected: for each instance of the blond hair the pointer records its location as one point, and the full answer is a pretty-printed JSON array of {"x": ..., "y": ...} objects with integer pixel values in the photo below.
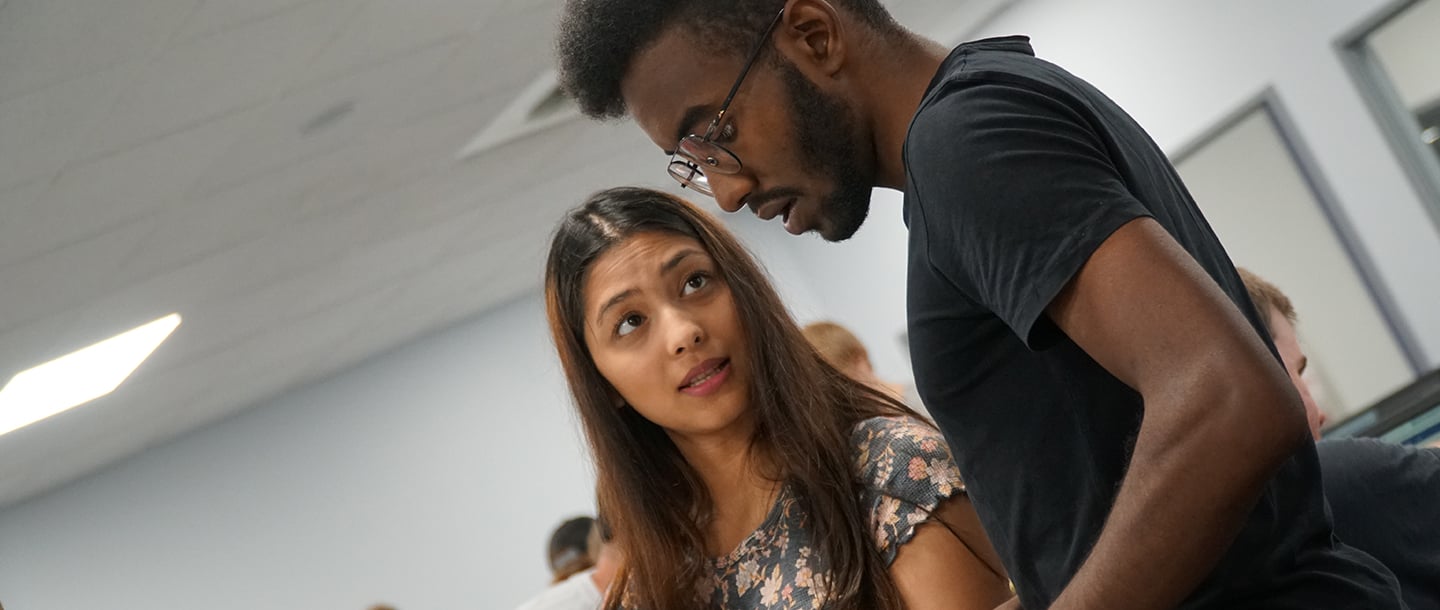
[
  {"x": 836, "y": 344},
  {"x": 1266, "y": 297}
]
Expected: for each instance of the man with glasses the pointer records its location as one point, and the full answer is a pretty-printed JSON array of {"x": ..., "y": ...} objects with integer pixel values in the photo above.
[{"x": 1128, "y": 438}]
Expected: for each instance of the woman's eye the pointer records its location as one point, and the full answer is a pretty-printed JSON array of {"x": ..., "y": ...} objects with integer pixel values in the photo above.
[
  {"x": 629, "y": 323},
  {"x": 695, "y": 282}
]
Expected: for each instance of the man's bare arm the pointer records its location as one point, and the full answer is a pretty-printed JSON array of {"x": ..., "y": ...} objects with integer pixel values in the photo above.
[{"x": 1220, "y": 416}]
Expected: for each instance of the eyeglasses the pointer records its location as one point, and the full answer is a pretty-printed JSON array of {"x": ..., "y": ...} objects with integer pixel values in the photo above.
[{"x": 695, "y": 156}]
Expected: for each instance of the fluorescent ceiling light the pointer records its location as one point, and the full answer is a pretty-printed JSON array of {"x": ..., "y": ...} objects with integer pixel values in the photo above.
[{"x": 80, "y": 376}]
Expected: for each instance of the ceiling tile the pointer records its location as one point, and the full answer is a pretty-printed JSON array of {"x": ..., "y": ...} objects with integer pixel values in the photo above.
[
  {"x": 215, "y": 75},
  {"x": 408, "y": 155},
  {"x": 38, "y": 38},
  {"x": 472, "y": 71},
  {"x": 518, "y": 8},
  {"x": 212, "y": 223},
  {"x": 362, "y": 103},
  {"x": 464, "y": 284},
  {"x": 40, "y": 131},
  {"x": 15, "y": 204},
  {"x": 88, "y": 199},
  {"x": 377, "y": 266},
  {"x": 67, "y": 277},
  {"x": 287, "y": 250},
  {"x": 215, "y": 15},
  {"x": 386, "y": 27}
]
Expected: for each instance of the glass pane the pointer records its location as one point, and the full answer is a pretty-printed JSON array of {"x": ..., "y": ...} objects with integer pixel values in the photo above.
[
  {"x": 1408, "y": 47},
  {"x": 690, "y": 177}
]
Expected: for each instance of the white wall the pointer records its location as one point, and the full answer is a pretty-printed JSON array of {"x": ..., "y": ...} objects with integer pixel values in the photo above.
[
  {"x": 773, "y": 248},
  {"x": 861, "y": 281}
]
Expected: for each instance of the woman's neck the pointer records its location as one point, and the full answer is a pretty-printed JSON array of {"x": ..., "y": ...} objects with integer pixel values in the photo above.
[{"x": 741, "y": 493}]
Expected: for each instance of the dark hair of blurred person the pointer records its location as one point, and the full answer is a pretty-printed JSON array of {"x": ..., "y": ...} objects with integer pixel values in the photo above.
[
  {"x": 569, "y": 552},
  {"x": 585, "y": 589}
]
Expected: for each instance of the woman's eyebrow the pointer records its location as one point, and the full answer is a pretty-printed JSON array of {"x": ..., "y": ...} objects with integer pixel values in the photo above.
[{"x": 615, "y": 300}]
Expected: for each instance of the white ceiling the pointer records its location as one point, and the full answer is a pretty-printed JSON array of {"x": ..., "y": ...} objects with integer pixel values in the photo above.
[{"x": 175, "y": 155}]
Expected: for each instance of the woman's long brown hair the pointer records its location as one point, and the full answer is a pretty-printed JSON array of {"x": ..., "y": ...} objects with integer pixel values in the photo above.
[{"x": 805, "y": 411}]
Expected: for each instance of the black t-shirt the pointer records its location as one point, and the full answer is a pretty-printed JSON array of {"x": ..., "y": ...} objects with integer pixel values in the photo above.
[
  {"x": 1016, "y": 172},
  {"x": 1385, "y": 500}
]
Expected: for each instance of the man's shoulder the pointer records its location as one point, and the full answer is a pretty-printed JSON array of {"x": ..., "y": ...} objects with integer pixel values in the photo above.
[
  {"x": 1365, "y": 451},
  {"x": 997, "y": 57},
  {"x": 979, "y": 89},
  {"x": 1006, "y": 61},
  {"x": 1372, "y": 462}
]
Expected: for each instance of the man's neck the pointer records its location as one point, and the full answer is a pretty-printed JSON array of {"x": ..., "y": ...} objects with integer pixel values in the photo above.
[{"x": 895, "y": 84}]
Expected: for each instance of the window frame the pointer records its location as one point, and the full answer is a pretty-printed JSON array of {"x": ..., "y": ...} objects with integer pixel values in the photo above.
[
  {"x": 1269, "y": 103},
  {"x": 1396, "y": 121}
]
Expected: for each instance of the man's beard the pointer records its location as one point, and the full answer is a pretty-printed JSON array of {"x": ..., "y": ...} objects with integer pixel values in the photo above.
[{"x": 828, "y": 139}]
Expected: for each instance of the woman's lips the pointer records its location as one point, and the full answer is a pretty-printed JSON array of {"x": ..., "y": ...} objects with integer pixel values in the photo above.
[{"x": 706, "y": 377}]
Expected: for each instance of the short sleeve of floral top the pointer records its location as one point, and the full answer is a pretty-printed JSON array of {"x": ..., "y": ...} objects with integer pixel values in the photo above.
[{"x": 906, "y": 469}]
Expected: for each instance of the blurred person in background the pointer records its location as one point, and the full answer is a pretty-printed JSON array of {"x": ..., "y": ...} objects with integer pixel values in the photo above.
[
  {"x": 1384, "y": 497},
  {"x": 569, "y": 551},
  {"x": 844, "y": 351},
  {"x": 583, "y": 589}
]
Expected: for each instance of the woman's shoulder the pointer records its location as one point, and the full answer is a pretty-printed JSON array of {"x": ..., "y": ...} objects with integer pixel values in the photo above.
[
  {"x": 895, "y": 453},
  {"x": 905, "y": 470},
  {"x": 897, "y": 426}
]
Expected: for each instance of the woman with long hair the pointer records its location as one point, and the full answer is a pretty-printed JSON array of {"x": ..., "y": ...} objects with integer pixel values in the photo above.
[{"x": 736, "y": 468}]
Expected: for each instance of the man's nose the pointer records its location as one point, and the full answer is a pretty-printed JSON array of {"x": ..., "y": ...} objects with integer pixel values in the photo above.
[{"x": 730, "y": 190}]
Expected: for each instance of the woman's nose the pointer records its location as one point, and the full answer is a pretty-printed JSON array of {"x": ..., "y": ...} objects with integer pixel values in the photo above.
[{"x": 687, "y": 334}]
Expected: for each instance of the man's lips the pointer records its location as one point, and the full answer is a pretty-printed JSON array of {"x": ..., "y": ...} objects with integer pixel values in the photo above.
[
  {"x": 783, "y": 202},
  {"x": 775, "y": 207}
]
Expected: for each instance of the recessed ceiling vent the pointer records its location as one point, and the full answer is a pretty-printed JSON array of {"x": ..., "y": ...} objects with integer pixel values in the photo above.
[{"x": 540, "y": 106}]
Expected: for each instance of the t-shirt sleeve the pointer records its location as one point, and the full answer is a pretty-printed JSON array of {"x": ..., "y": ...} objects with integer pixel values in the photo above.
[
  {"x": 906, "y": 470},
  {"x": 1016, "y": 190}
]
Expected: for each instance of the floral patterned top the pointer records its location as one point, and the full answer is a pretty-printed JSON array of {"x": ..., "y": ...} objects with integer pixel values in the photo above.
[{"x": 907, "y": 470}]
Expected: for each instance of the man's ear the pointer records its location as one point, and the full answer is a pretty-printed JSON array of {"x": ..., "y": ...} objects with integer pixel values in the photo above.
[{"x": 812, "y": 36}]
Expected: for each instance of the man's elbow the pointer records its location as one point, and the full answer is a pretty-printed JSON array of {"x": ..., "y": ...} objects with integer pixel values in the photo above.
[
  {"x": 1263, "y": 415},
  {"x": 1245, "y": 414}
]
